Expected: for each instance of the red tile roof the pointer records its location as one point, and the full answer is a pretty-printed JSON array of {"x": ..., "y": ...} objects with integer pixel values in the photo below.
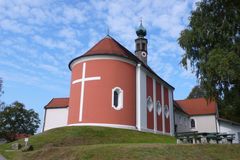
[
  {"x": 198, "y": 106},
  {"x": 107, "y": 46},
  {"x": 58, "y": 103}
]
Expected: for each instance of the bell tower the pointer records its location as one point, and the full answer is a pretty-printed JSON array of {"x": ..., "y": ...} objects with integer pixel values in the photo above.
[{"x": 141, "y": 44}]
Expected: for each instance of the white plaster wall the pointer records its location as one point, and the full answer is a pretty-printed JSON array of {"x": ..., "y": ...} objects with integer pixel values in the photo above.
[
  {"x": 170, "y": 93},
  {"x": 226, "y": 127},
  {"x": 143, "y": 101},
  {"x": 182, "y": 121},
  {"x": 56, "y": 117},
  {"x": 204, "y": 123}
]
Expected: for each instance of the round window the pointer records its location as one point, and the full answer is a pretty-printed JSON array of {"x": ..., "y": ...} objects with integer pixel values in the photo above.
[
  {"x": 159, "y": 107},
  {"x": 149, "y": 103},
  {"x": 166, "y": 111},
  {"x": 144, "y": 54}
]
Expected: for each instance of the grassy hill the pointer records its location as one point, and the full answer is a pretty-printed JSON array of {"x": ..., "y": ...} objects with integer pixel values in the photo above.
[
  {"x": 83, "y": 136},
  {"x": 72, "y": 143}
]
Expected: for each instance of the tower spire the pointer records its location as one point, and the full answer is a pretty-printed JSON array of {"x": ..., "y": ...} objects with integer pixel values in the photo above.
[{"x": 141, "y": 43}]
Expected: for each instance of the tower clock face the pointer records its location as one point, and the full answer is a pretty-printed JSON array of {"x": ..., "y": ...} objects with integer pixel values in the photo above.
[{"x": 144, "y": 54}]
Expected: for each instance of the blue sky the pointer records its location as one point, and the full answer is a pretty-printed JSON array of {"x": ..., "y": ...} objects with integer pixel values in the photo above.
[{"x": 38, "y": 38}]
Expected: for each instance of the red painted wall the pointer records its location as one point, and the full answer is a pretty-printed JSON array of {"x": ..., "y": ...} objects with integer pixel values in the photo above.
[
  {"x": 166, "y": 102},
  {"x": 159, "y": 97},
  {"x": 150, "y": 120},
  {"x": 97, "y": 106}
]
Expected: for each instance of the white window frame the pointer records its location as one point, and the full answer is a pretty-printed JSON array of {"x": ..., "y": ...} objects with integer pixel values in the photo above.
[{"x": 120, "y": 98}]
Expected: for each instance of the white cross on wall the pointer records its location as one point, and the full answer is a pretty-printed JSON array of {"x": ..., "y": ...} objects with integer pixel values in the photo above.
[{"x": 83, "y": 80}]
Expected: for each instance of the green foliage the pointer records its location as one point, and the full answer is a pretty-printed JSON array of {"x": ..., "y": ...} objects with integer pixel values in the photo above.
[
  {"x": 197, "y": 92},
  {"x": 15, "y": 119},
  {"x": 212, "y": 48}
]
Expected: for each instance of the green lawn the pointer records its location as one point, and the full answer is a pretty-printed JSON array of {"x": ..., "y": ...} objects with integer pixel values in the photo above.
[
  {"x": 82, "y": 136},
  {"x": 73, "y": 143}
]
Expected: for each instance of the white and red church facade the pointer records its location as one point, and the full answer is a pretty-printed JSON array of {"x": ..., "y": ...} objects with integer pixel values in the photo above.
[{"x": 112, "y": 87}]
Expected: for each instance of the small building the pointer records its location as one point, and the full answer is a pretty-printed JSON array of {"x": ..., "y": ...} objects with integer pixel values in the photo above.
[
  {"x": 56, "y": 113},
  {"x": 202, "y": 116},
  {"x": 230, "y": 127},
  {"x": 181, "y": 119}
]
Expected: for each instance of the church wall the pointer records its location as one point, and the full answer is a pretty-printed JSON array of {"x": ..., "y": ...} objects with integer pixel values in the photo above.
[
  {"x": 150, "y": 120},
  {"x": 74, "y": 99},
  {"x": 159, "y": 92},
  {"x": 159, "y": 98},
  {"x": 97, "y": 97},
  {"x": 143, "y": 100},
  {"x": 171, "y": 112},
  {"x": 166, "y": 104}
]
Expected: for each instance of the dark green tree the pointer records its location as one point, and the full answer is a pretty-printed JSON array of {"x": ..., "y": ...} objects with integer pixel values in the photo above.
[
  {"x": 197, "y": 92},
  {"x": 15, "y": 119},
  {"x": 212, "y": 48}
]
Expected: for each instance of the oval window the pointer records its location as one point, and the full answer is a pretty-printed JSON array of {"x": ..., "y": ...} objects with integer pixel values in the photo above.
[
  {"x": 149, "y": 103},
  {"x": 166, "y": 111},
  {"x": 117, "y": 98},
  {"x": 159, "y": 107}
]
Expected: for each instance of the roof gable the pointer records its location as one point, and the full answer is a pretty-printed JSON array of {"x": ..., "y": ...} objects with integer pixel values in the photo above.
[
  {"x": 198, "y": 106},
  {"x": 57, "y": 103},
  {"x": 107, "y": 46}
]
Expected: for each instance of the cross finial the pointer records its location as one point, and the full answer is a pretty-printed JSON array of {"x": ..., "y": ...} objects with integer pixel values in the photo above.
[{"x": 141, "y": 20}]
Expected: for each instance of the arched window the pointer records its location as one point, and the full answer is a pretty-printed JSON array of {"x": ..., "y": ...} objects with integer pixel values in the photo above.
[
  {"x": 143, "y": 47},
  {"x": 138, "y": 46},
  {"x": 193, "y": 125},
  {"x": 117, "y": 98},
  {"x": 149, "y": 104}
]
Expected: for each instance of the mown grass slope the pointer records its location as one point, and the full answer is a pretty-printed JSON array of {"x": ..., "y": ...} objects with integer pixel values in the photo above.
[
  {"x": 137, "y": 152},
  {"x": 82, "y": 136},
  {"x": 99, "y": 143}
]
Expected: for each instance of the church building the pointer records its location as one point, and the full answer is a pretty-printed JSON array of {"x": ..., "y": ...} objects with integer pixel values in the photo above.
[{"x": 112, "y": 87}]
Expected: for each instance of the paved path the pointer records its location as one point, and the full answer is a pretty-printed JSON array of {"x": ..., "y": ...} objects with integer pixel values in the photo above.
[{"x": 2, "y": 158}]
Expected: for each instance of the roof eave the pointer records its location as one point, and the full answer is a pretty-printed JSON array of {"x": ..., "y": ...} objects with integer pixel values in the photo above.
[
  {"x": 47, "y": 107},
  {"x": 98, "y": 54}
]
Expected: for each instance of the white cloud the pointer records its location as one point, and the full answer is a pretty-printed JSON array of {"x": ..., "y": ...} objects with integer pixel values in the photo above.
[
  {"x": 67, "y": 33},
  {"x": 14, "y": 26},
  {"x": 39, "y": 37}
]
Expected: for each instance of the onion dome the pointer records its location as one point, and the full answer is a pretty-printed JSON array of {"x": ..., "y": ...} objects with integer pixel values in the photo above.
[{"x": 141, "y": 31}]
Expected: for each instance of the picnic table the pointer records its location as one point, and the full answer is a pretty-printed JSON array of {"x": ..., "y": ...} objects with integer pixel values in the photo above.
[{"x": 204, "y": 137}]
